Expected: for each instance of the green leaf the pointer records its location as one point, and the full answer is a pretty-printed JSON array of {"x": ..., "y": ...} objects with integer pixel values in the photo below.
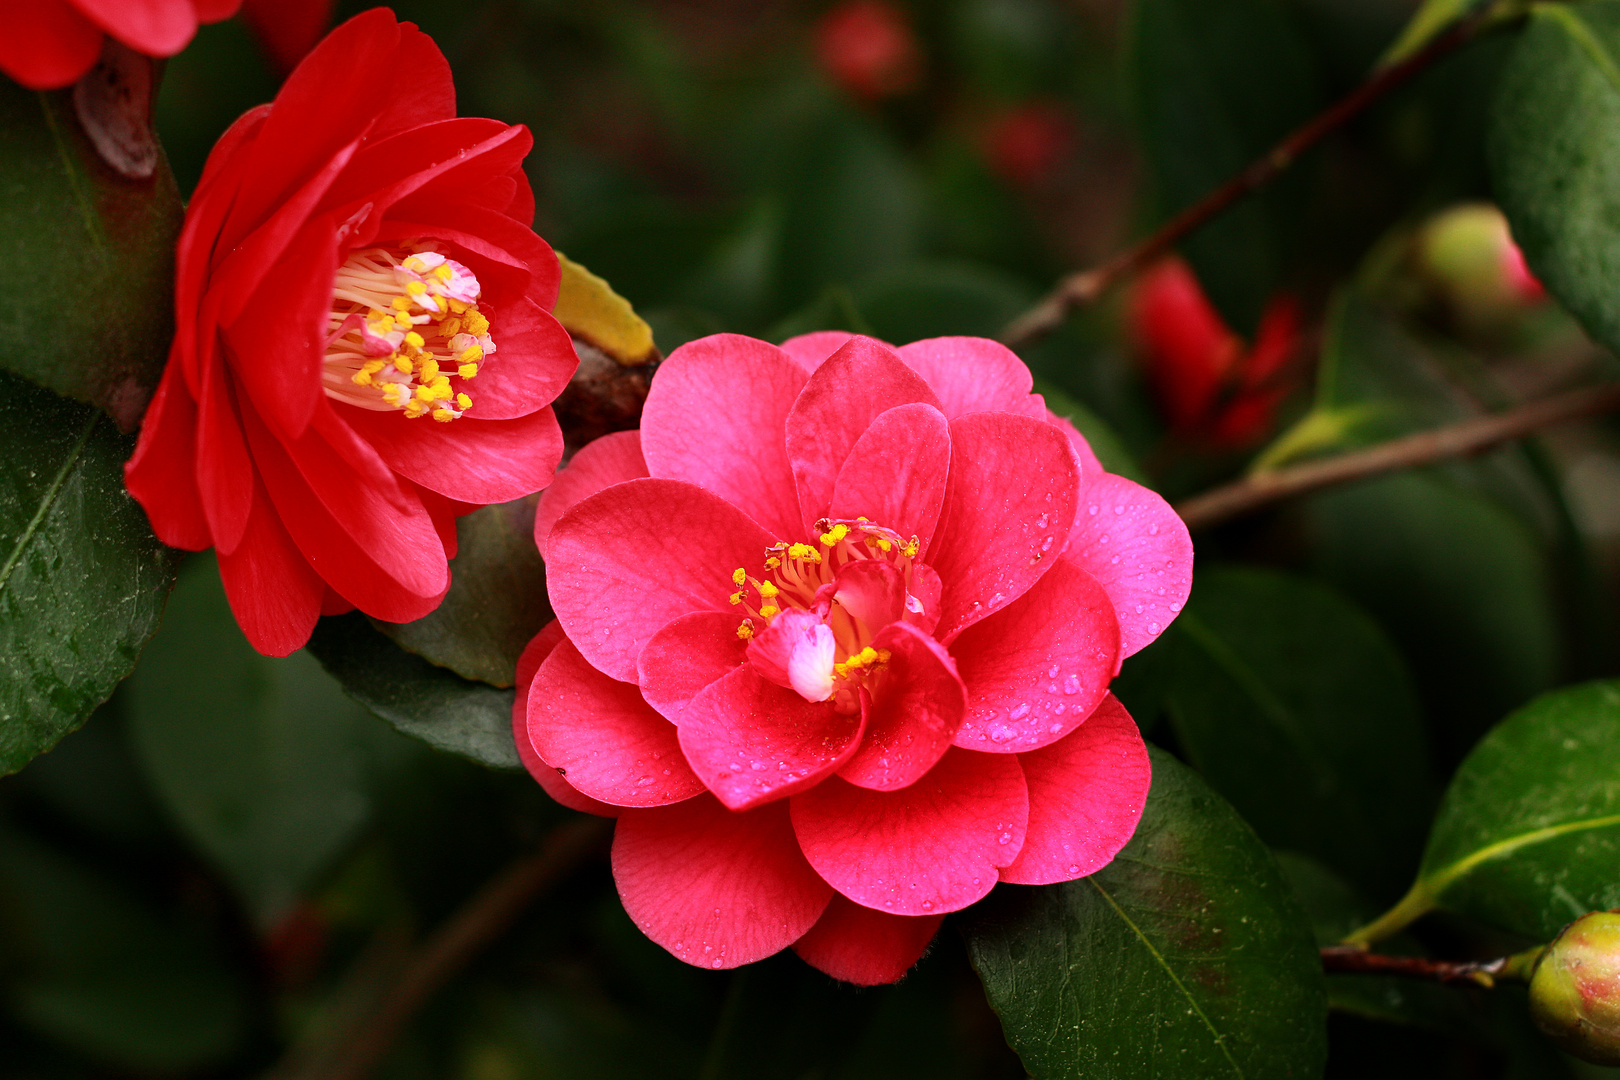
[
  {"x": 93, "y": 966},
  {"x": 1293, "y": 705},
  {"x": 1215, "y": 85},
  {"x": 1555, "y": 156},
  {"x": 1185, "y": 957},
  {"x": 1528, "y": 835},
  {"x": 82, "y": 578},
  {"x": 497, "y": 598},
  {"x": 439, "y": 707},
  {"x": 93, "y": 314},
  {"x": 264, "y": 763},
  {"x": 1426, "y": 24}
]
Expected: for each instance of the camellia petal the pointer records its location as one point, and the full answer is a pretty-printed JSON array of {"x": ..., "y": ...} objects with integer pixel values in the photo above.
[
  {"x": 273, "y": 593},
  {"x": 688, "y": 654},
  {"x": 626, "y": 561},
  {"x": 717, "y": 888},
  {"x": 599, "y": 465},
  {"x": 1132, "y": 542},
  {"x": 970, "y": 374},
  {"x": 996, "y": 540},
  {"x": 811, "y": 350},
  {"x": 1037, "y": 668},
  {"x": 914, "y": 715},
  {"x": 752, "y": 741},
  {"x": 48, "y": 44},
  {"x": 933, "y": 847},
  {"x": 1086, "y": 794},
  {"x": 602, "y": 737},
  {"x": 863, "y": 946},
  {"x": 544, "y": 775},
  {"x": 896, "y": 472},
  {"x": 153, "y": 27},
  {"x": 171, "y": 426},
  {"x": 495, "y": 460}
]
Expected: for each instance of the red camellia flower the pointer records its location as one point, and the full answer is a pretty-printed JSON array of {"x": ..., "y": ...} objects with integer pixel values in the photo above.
[
  {"x": 363, "y": 345},
  {"x": 287, "y": 29},
  {"x": 867, "y": 47},
  {"x": 834, "y": 636},
  {"x": 1209, "y": 381},
  {"x": 50, "y": 43}
]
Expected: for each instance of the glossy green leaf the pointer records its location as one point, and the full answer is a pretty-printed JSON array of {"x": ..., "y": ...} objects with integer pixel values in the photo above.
[
  {"x": 93, "y": 314},
  {"x": 82, "y": 578},
  {"x": 438, "y": 706},
  {"x": 1555, "y": 156},
  {"x": 1188, "y": 956},
  {"x": 497, "y": 598},
  {"x": 264, "y": 763},
  {"x": 1292, "y": 704},
  {"x": 1215, "y": 85},
  {"x": 92, "y": 965},
  {"x": 1528, "y": 835}
]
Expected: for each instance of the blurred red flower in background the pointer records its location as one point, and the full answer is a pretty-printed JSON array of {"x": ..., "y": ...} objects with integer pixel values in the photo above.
[
  {"x": 287, "y": 29},
  {"x": 868, "y": 48},
  {"x": 1210, "y": 383},
  {"x": 837, "y": 655},
  {"x": 51, "y": 43},
  {"x": 1025, "y": 145},
  {"x": 363, "y": 343}
]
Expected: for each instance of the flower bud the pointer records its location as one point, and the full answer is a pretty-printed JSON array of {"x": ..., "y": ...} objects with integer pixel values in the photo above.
[{"x": 1575, "y": 988}]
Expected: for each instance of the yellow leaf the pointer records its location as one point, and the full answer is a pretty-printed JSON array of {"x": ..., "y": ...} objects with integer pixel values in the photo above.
[{"x": 588, "y": 308}]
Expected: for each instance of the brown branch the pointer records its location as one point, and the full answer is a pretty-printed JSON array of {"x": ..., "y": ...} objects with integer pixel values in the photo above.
[
  {"x": 1347, "y": 958},
  {"x": 356, "y": 1050},
  {"x": 1087, "y": 286},
  {"x": 1455, "y": 440}
]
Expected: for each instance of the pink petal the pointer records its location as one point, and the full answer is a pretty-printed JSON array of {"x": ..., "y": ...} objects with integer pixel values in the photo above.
[
  {"x": 1132, "y": 542},
  {"x": 752, "y": 741},
  {"x": 1035, "y": 669},
  {"x": 860, "y": 381},
  {"x": 469, "y": 460},
  {"x": 547, "y": 777},
  {"x": 153, "y": 27},
  {"x": 929, "y": 848},
  {"x": 600, "y": 464},
  {"x": 810, "y": 351},
  {"x": 866, "y": 947},
  {"x": 914, "y": 714},
  {"x": 797, "y": 651},
  {"x": 716, "y": 888},
  {"x": 600, "y": 735},
  {"x": 714, "y": 418},
  {"x": 1010, "y": 503},
  {"x": 873, "y": 593},
  {"x": 1086, "y": 794},
  {"x": 1089, "y": 464},
  {"x": 273, "y": 593},
  {"x": 535, "y": 358},
  {"x": 896, "y": 473},
  {"x": 688, "y": 654},
  {"x": 627, "y": 560},
  {"x": 970, "y": 374}
]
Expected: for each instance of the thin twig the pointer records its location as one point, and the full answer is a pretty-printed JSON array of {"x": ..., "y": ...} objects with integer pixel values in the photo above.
[
  {"x": 1087, "y": 286},
  {"x": 1455, "y": 440},
  {"x": 1345, "y": 958},
  {"x": 486, "y": 916}
]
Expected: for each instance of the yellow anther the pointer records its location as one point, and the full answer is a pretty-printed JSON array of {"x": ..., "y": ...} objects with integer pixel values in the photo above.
[
  {"x": 471, "y": 354},
  {"x": 413, "y": 409},
  {"x": 444, "y": 416},
  {"x": 770, "y": 610},
  {"x": 884, "y": 546},
  {"x": 415, "y": 263},
  {"x": 415, "y": 289},
  {"x": 404, "y": 365},
  {"x": 737, "y": 597},
  {"x": 911, "y": 549},
  {"x": 414, "y": 340},
  {"x": 401, "y": 303},
  {"x": 467, "y": 371},
  {"x": 443, "y": 272},
  {"x": 868, "y": 655},
  {"x": 430, "y": 369},
  {"x": 745, "y": 629},
  {"x": 804, "y": 553},
  {"x": 767, "y": 590},
  {"x": 450, "y": 327},
  {"x": 772, "y": 563},
  {"x": 463, "y": 402},
  {"x": 459, "y": 306},
  {"x": 477, "y": 325},
  {"x": 739, "y": 576},
  {"x": 835, "y": 535}
]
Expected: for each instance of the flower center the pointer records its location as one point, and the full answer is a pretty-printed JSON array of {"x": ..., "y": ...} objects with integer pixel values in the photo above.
[{"x": 405, "y": 332}]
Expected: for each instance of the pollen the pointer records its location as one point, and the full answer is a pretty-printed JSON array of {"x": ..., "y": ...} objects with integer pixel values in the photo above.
[
  {"x": 739, "y": 576},
  {"x": 834, "y": 535},
  {"x": 745, "y": 629},
  {"x": 404, "y": 323}
]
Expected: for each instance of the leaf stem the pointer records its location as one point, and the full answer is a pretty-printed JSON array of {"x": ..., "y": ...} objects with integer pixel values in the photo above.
[
  {"x": 1089, "y": 285},
  {"x": 1349, "y": 958},
  {"x": 1461, "y": 439},
  {"x": 1418, "y": 902}
]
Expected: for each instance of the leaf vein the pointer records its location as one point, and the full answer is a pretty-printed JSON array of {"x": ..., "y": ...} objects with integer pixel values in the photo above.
[{"x": 47, "y": 500}]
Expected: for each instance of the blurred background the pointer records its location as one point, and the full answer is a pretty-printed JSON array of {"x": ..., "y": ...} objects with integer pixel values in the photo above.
[{"x": 231, "y": 854}]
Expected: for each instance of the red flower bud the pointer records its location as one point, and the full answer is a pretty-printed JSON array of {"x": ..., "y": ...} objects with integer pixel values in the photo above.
[{"x": 1575, "y": 988}]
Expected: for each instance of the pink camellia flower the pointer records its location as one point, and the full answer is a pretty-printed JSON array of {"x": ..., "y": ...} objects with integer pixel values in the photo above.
[
  {"x": 50, "y": 43},
  {"x": 834, "y": 638}
]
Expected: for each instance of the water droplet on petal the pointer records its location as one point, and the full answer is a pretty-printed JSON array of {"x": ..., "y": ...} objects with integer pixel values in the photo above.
[
  {"x": 1004, "y": 838},
  {"x": 1051, "y": 672},
  {"x": 1074, "y": 868},
  {"x": 1153, "y": 529},
  {"x": 715, "y": 963},
  {"x": 1153, "y": 628},
  {"x": 1019, "y": 711},
  {"x": 1071, "y": 685}
]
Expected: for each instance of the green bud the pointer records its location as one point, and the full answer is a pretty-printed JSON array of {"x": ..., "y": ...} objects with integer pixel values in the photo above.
[{"x": 1575, "y": 988}]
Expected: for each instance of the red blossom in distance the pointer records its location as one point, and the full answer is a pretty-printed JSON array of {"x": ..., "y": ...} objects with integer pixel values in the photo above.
[
  {"x": 363, "y": 345},
  {"x": 868, "y": 48},
  {"x": 48, "y": 44},
  {"x": 837, "y": 655}
]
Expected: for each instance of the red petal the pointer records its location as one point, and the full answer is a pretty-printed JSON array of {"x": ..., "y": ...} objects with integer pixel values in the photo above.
[
  {"x": 845, "y": 394},
  {"x": 223, "y": 465},
  {"x": 606, "y": 740},
  {"x": 610, "y": 460},
  {"x": 970, "y": 374},
  {"x": 535, "y": 360},
  {"x": 913, "y": 717},
  {"x": 153, "y": 27},
  {"x": 1008, "y": 507},
  {"x": 753, "y": 742},
  {"x": 930, "y": 848},
  {"x": 896, "y": 473},
  {"x": 469, "y": 460},
  {"x": 1082, "y": 449},
  {"x": 866, "y": 947},
  {"x": 1086, "y": 794},
  {"x": 511, "y": 262},
  {"x": 547, "y": 777},
  {"x": 212, "y": 11},
  {"x": 810, "y": 351},
  {"x": 160, "y": 474},
  {"x": 387, "y": 170},
  {"x": 873, "y": 593},
  {"x": 1132, "y": 542},
  {"x": 285, "y": 31},
  {"x": 48, "y": 44},
  {"x": 427, "y": 94},
  {"x": 274, "y": 594},
  {"x": 714, "y": 418},
  {"x": 627, "y": 560},
  {"x": 685, "y": 656},
  {"x": 717, "y": 888},
  {"x": 1036, "y": 668}
]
